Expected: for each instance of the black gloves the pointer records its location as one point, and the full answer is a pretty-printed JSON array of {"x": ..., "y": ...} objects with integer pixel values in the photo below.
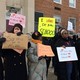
[
  {"x": 19, "y": 33},
  {"x": 29, "y": 44},
  {"x": 41, "y": 57},
  {"x": 2, "y": 40}
]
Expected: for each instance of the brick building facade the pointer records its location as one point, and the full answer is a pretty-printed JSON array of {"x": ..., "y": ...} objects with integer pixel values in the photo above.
[{"x": 62, "y": 11}]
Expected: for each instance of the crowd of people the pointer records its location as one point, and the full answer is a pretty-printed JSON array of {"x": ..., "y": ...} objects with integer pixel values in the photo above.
[{"x": 16, "y": 67}]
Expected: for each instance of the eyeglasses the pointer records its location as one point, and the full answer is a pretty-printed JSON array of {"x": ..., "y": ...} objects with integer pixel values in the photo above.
[{"x": 65, "y": 33}]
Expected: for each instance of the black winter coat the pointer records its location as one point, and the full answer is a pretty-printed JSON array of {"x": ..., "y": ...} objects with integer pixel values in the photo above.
[
  {"x": 1, "y": 64},
  {"x": 14, "y": 65},
  {"x": 77, "y": 45},
  {"x": 60, "y": 67}
]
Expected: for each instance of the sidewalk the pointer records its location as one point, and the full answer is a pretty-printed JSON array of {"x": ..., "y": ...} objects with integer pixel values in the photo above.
[{"x": 51, "y": 75}]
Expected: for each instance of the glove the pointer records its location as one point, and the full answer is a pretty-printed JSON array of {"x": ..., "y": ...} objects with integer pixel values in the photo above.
[
  {"x": 29, "y": 44},
  {"x": 2, "y": 40},
  {"x": 40, "y": 57},
  {"x": 19, "y": 33}
]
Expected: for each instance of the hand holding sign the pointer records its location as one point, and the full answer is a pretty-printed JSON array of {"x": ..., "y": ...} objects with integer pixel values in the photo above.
[{"x": 66, "y": 54}]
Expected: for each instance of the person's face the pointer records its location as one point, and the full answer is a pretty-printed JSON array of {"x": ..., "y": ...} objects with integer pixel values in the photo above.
[
  {"x": 65, "y": 34},
  {"x": 16, "y": 30}
]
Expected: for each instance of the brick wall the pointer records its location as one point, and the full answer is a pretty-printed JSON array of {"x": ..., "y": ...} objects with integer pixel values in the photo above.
[{"x": 47, "y": 7}]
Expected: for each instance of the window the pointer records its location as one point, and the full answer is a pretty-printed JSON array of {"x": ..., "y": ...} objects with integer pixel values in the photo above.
[
  {"x": 72, "y": 3},
  {"x": 58, "y": 18},
  {"x": 73, "y": 20},
  {"x": 58, "y": 21},
  {"x": 37, "y": 15},
  {"x": 58, "y": 1}
]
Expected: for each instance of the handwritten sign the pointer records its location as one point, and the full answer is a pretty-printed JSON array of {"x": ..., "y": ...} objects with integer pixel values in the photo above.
[
  {"x": 15, "y": 42},
  {"x": 17, "y": 18},
  {"x": 44, "y": 50},
  {"x": 66, "y": 54},
  {"x": 46, "y": 26}
]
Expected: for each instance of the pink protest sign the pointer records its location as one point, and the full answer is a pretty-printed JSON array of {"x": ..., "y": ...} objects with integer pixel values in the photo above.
[{"x": 17, "y": 18}]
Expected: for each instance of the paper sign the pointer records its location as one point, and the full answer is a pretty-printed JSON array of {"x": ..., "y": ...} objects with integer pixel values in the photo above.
[
  {"x": 17, "y": 18},
  {"x": 70, "y": 26},
  {"x": 46, "y": 26},
  {"x": 15, "y": 42},
  {"x": 66, "y": 54},
  {"x": 44, "y": 50}
]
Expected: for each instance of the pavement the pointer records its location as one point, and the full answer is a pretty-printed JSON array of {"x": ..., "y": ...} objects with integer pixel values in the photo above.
[{"x": 51, "y": 75}]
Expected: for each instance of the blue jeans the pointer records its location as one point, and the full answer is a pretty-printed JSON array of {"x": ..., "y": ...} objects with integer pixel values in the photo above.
[{"x": 69, "y": 70}]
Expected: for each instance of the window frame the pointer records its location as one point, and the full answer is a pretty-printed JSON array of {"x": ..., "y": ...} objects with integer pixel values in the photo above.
[
  {"x": 57, "y": 17},
  {"x": 58, "y": 24},
  {"x": 41, "y": 14},
  {"x": 73, "y": 3},
  {"x": 74, "y": 27},
  {"x": 58, "y": 2}
]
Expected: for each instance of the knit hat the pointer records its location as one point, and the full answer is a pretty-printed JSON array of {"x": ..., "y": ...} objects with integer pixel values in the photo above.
[
  {"x": 17, "y": 25},
  {"x": 36, "y": 35}
]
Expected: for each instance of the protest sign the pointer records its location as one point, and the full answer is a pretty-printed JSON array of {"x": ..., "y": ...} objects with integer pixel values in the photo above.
[
  {"x": 17, "y": 18},
  {"x": 46, "y": 26},
  {"x": 15, "y": 42},
  {"x": 70, "y": 26},
  {"x": 44, "y": 50},
  {"x": 66, "y": 54}
]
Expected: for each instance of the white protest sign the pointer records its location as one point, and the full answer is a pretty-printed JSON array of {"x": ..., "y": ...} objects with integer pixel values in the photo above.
[
  {"x": 17, "y": 18},
  {"x": 66, "y": 54},
  {"x": 70, "y": 26}
]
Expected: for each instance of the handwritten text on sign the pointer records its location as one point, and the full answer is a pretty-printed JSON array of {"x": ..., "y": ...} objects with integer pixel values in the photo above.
[
  {"x": 46, "y": 26},
  {"x": 66, "y": 54},
  {"x": 44, "y": 50},
  {"x": 17, "y": 18},
  {"x": 15, "y": 42}
]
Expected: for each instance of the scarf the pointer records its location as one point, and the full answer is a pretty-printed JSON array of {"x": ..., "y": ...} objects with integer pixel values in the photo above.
[{"x": 36, "y": 41}]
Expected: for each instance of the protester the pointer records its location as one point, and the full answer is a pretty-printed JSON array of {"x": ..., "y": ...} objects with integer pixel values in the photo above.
[
  {"x": 77, "y": 45},
  {"x": 64, "y": 70},
  {"x": 47, "y": 41},
  {"x": 1, "y": 64},
  {"x": 36, "y": 65},
  {"x": 14, "y": 62},
  {"x": 54, "y": 40}
]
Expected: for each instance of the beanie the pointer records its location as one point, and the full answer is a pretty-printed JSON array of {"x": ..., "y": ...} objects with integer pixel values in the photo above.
[
  {"x": 36, "y": 35},
  {"x": 17, "y": 25}
]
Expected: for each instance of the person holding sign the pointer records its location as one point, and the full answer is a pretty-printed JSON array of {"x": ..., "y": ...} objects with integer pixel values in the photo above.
[
  {"x": 37, "y": 65},
  {"x": 2, "y": 40},
  {"x": 14, "y": 59},
  {"x": 77, "y": 45},
  {"x": 64, "y": 70}
]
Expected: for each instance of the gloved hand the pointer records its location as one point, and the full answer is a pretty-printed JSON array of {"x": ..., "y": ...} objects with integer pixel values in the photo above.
[
  {"x": 40, "y": 57},
  {"x": 19, "y": 33},
  {"x": 2, "y": 40}
]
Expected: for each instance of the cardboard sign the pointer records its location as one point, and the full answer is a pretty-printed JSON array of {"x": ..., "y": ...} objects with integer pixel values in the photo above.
[
  {"x": 44, "y": 50},
  {"x": 17, "y": 18},
  {"x": 66, "y": 54},
  {"x": 15, "y": 42},
  {"x": 46, "y": 26}
]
